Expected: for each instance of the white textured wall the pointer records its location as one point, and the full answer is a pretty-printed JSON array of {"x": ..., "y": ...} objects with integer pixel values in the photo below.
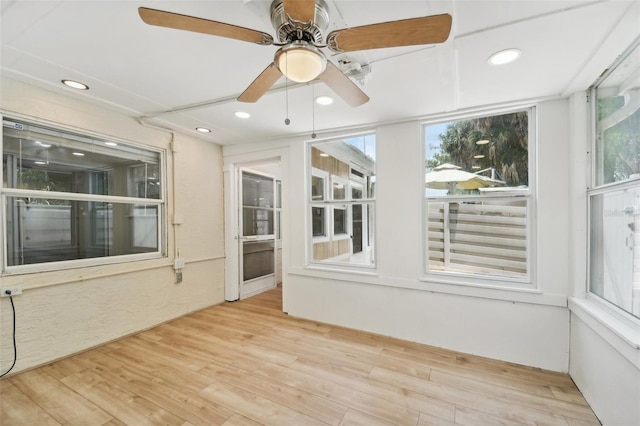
[
  {"x": 529, "y": 328},
  {"x": 604, "y": 365},
  {"x": 62, "y": 312},
  {"x": 609, "y": 381}
]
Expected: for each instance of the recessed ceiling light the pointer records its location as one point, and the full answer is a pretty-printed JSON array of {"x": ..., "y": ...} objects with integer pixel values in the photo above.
[
  {"x": 324, "y": 154},
  {"x": 40, "y": 163},
  {"x": 75, "y": 84},
  {"x": 203, "y": 130},
  {"x": 78, "y": 154},
  {"x": 504, "y": 56},
  {"x": 43, "y": 144},
  {"x": 111, "y": 144},
  {"x": 242, "y": 114},
  {"x": 475, "y": 167},
  {"x": 478, "y": 156},
  {"x": 482, "y": 142},
  {"x": 324, "y": 100}
]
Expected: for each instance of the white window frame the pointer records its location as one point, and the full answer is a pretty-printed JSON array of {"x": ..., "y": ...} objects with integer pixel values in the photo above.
[
  {"x": 325, "y": 193},
  {"x": 618, "y": 319},
  {"x": 526, "y": 283},
  {"x": 336, "y": 206},
  {"x": 159, "y": 204},
  {"x": 330, "y": 204}
]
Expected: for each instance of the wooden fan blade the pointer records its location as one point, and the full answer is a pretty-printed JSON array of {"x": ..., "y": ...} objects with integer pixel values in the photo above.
[
  {"x": 407, "y": 32},
  {"x": 343, "y": 86},
  {"x": 204, "y": 26},
  {"x": 261, "y": 84},
  {"x": 300, "y": 10}
]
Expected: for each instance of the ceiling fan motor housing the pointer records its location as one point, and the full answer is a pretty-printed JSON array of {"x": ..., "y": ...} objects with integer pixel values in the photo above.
[{"x": 289, "y": 30}]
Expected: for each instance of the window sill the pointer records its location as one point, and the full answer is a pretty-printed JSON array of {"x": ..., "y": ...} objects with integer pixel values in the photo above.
[
  {"x": 620, "y": 333},
  {"x": 372, "y": 277},
  {"x": 500, "y": 290}
]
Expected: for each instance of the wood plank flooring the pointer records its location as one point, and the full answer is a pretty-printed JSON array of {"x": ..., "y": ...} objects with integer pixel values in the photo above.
[{"x": 246, "y": 363}]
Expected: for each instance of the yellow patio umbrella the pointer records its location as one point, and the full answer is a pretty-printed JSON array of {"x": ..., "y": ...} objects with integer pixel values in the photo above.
[{"x": 452, "y": 177}]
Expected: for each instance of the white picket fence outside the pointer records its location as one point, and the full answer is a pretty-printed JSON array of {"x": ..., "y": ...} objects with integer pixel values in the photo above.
[{"x": 478, "y": 237}]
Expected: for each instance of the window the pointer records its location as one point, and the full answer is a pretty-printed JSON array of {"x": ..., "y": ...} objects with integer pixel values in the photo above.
[
  {"x": 342, "y": 204},
  {"x": 68, "y": 196},
  {"x": 614, "y": 200},
  {"x": 478, "y": 198}
]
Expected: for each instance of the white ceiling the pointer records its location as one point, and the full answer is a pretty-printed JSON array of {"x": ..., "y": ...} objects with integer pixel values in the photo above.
[{"x": 183, "y": 80}]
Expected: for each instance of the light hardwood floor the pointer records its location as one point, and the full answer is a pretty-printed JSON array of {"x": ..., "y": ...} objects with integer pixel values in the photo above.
[{"x": 247, "y": 363}]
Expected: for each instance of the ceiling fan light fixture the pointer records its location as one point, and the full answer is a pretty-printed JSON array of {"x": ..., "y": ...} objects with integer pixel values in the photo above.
[
  {"x": 300, "y": 61},
  {"x": 504, "y": 57}
]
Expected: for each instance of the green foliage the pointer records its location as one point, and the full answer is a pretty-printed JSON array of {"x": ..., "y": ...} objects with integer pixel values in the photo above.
[
  {"x": 42, "y": 180},
  {"x": 619, "y": 151},
  {"x": 506, "y": 152}
]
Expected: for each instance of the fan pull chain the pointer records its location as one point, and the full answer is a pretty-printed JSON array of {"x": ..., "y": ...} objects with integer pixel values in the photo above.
[
  {"x": 286, "y": 88},
  {"x": 313, "y": 112}
]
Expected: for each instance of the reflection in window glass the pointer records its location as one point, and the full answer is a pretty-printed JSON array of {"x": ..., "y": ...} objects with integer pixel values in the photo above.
[
  {"x": 615, "y": 199},
  {"x": 339, "y": 220},
  {"x": 342, "y": 205},
  {"x": 45, "y": 159},
  {"x": 317, "y": 188},
  {"x": 615, "y": 237},
  {"x": 47, "y": 230},
  {"x": 317, "y": 217},
  {"x": 618, "y": 123},
  {"x": 257, "y": 205},
  {"x": 339, "y": 190},
  {"x": 82, "y": 181}
]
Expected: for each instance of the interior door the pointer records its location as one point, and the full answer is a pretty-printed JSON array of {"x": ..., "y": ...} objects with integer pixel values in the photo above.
[{"x": 257, "y": 231}]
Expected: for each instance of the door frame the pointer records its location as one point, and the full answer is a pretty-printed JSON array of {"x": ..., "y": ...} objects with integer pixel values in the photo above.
[
  {"x": 258, "y": 284},
  {"x": 231, "y": 170}
]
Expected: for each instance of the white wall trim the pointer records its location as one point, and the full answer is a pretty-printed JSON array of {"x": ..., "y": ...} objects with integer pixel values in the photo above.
[
  {"x": 519, "y": 296},
  {"x": 621, "y": 335}
]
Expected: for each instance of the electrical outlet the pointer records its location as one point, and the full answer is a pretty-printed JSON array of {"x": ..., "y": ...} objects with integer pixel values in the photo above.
[
  {"x": 10, "y": 291},
  {"x": 178, "y": 277}
]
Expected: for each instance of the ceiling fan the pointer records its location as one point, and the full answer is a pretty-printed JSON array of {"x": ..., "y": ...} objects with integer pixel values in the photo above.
[{"x": 300, "y": 25}]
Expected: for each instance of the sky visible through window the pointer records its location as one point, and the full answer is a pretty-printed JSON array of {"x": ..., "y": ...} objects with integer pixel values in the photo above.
[{"x": 365, "y": 143}]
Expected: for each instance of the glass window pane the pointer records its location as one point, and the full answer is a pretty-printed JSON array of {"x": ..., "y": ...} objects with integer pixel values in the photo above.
[
  {"x": 339, "y": 220},
  {"x": 339, "y": 190},
  {"x": 618, "y": 123},
  {"x": 343, "y": 170},
  {"x": 45, "y": 159},
  {"x": 484, "y": 238},
  {"x": 317, "y": 188},
  {"x": 478, "y": 156},
  {"x": 257, "y": 259},
  {"x": 317, "y": 216},
  {"x": 48, "y": 230},
  {"x": 356, "y": 192},
  {"x": 484, "y": 160},
  {"x": 257, "y": 190},
  {"x": 257, "y": 221},
  {"x": 615, "y": 243}
]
